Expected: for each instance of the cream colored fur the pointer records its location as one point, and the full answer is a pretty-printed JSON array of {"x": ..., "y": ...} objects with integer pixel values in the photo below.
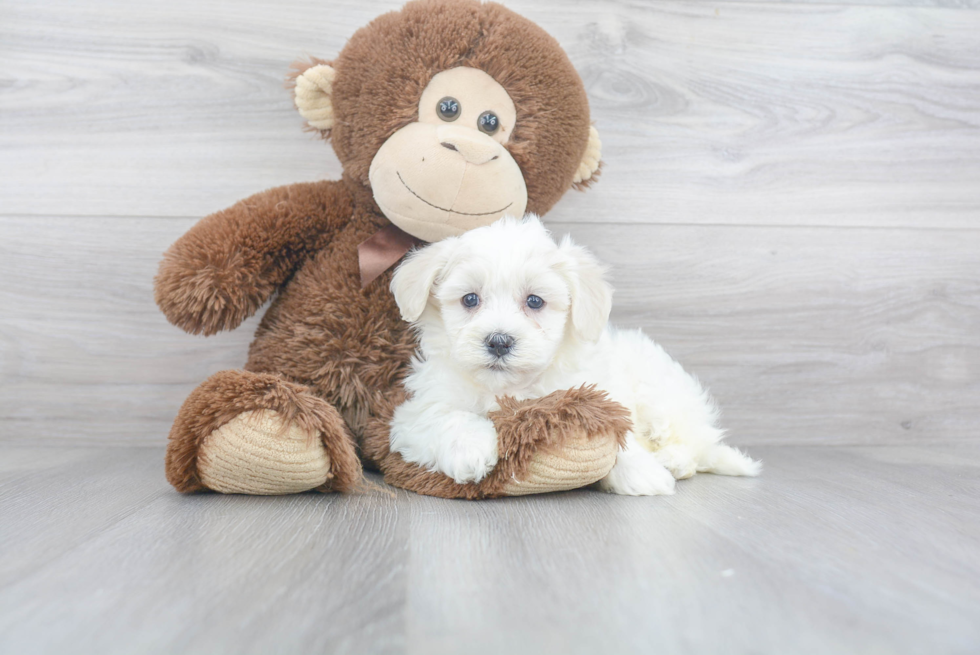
[{"x": 566, "y": 343}]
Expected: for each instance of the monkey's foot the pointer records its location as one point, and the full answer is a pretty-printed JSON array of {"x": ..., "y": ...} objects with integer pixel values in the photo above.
[
  {"x": 255, "y": 433},
  {"x": 259, "y": 453},
  {"x": 580, "y": 460},
  {"x": 566, "y": 440}
]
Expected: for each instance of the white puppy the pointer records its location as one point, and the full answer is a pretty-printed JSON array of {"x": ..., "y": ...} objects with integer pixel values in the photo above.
[{"x": 505, "y": 311}]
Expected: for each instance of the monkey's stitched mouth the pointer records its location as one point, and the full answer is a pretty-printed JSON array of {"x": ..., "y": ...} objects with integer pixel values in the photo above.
[{"x": 451, "y": 211}]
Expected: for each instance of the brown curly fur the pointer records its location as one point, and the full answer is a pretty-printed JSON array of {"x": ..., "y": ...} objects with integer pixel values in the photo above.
[
  {"x": 326, "y": 348},
  {"x": 231, "y": 262},
  {"x": 225, "y": 395},
  {"x": 429, "y": 36},
  {"x": 524, "y": 428}
]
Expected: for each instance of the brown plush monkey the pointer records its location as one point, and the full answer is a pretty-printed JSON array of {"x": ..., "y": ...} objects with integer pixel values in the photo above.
[{"x": 446, "y": 115}]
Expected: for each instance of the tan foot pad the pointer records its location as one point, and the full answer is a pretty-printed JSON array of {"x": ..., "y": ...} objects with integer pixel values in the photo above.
[
  {"x": 256, "y": 454},
  {"x": 578, "y": 463}
]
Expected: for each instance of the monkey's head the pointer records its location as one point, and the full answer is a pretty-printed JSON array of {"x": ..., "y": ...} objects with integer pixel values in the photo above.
[{"x": 454, "y": 113}]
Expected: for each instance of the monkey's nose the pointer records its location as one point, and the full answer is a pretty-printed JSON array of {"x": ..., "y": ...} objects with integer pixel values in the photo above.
[
  {"x": 500, "y": 344},
  {"x": 476, "y": 148}
]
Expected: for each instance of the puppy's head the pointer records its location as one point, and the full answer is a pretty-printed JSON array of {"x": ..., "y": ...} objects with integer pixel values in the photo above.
[{"x": 501, "y": 300}]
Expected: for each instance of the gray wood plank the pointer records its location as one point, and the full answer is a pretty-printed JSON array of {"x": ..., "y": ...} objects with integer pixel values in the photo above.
[
  {"x": 194, "y": 574},
  {"x": 811, "y": 335},
  {"x": 833, "y": 549},
  {"x": 946, "y": 4},
  {"x": 732, "y": 113},
  {"x": 816, "y": 556},
  {"x": 85, "y": 355},
  {"x": 62, "y": 497},
  {"x": 805, "y": 335}
]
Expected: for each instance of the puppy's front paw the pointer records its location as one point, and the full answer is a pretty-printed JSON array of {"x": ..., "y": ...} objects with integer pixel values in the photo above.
[
  {"x": 638, "y": 473},
  {"x": 472, "y": 452}
]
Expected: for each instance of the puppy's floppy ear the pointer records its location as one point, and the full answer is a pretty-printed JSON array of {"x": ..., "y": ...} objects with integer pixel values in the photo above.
[
  {"x": 591, "y": 293},
  {"x": 413, "y": 279}
]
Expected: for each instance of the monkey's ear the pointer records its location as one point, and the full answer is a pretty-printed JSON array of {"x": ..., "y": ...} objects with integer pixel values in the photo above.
[
  {"x": 313, "y": 91},
  {"x": 591, "y": 161}
]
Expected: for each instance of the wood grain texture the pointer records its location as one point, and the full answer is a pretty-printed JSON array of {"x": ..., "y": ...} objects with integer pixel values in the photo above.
[
  {"x": 859, "y": 549},
  {"x": 117, "y": 133},
  {"x": 804, "y": 335},
  {"x": 291, "y": 564},
  {"x": 811, "y": 335},
  {"x": 709, "y": 113},
  {"x": 946, "y": 4}
]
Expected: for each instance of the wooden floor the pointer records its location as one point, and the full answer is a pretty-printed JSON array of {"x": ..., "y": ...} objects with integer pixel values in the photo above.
[
  {"x": 862, "y": 549},
  {"x": 790, "y": 203}
]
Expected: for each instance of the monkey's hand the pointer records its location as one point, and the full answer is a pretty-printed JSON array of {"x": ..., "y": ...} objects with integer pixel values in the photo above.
[
  {"x": 226, "y": 266},
  {"x": 565, "y": 440}
]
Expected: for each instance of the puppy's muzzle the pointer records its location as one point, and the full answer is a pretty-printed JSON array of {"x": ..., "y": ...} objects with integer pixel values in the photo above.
[{"x": 500, "y": 344}]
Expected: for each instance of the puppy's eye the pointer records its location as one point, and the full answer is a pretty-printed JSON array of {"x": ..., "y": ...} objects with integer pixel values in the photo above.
[
  {"x": 470, "y": 300},
  {"x": 534, "y": 302}
]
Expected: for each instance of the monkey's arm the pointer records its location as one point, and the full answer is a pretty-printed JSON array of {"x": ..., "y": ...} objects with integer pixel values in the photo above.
[
  {"x": 222, "y": 270},
  {"x": 565, "y": 440}
]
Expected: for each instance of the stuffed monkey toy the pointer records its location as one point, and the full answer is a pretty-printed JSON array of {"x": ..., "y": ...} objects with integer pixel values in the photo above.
[{"x": 446, "y": 115}]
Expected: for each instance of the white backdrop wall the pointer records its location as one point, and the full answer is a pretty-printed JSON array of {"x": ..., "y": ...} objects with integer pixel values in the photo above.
[{"x": 790, "y": 200}]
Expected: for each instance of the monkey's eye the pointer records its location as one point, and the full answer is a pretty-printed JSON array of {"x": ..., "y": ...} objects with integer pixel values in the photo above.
[
  {"x": 488, "y": 122},
  {"x": 535, "y": 302},
  {"x": 470, "y": 300},
  {"x": 448, "y": 109}
]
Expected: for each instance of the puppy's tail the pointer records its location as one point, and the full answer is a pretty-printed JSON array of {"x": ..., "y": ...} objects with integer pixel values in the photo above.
[{"x": 725, "y": 460}]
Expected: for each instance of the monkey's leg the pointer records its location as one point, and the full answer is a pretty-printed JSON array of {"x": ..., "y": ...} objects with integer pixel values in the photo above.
[
  {"x": 565, "y": 440},
  {"x": 256, "y": 433}
]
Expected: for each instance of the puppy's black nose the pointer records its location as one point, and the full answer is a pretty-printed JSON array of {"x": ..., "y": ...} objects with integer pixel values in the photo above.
[{"x": 500, "y": 344}]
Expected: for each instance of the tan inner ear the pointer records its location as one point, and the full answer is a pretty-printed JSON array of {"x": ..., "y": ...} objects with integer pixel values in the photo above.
[
  {"x": 590, "y": 159},
  {"x": 313, "y": 96}
]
